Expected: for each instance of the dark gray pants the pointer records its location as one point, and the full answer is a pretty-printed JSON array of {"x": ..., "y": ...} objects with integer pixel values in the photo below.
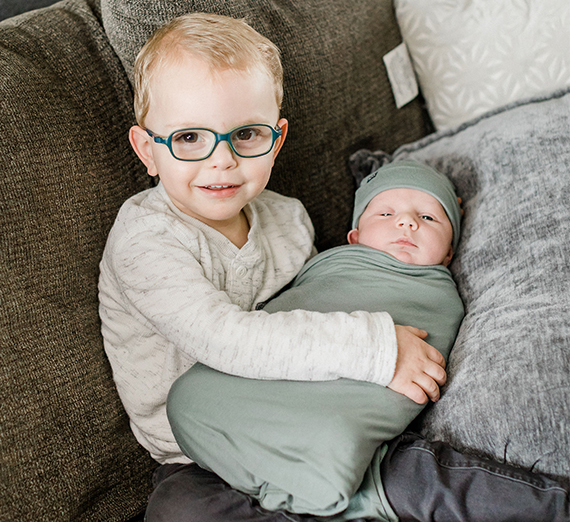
[{"x": 423, "y": 481}]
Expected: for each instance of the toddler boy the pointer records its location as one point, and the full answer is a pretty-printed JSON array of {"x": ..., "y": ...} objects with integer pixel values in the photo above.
[{"x": 187, "y": 262}]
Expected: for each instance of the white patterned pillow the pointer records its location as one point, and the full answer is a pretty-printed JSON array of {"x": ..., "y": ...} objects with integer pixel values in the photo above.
[{"x": 472, "y": 57}]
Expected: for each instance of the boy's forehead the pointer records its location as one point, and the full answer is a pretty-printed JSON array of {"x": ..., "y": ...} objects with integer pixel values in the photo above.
[
  {"x": 180, "y": 59},
  {"x": 186, "y": 90}
]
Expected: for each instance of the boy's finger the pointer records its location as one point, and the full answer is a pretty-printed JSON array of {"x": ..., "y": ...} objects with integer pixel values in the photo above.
[
  {"x": 437, "y": 373},
  {"x": 429, "y": 386},
  {"x": 417, "y": 331},
  {"x": 416, "y": 393},
  {"x": 436, "y": 357},
  {"x": 410, "y": 389}
]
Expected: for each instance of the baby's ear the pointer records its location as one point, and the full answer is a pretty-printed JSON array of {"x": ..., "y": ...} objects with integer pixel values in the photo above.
[
  {"x": 353, "y": 237},
  {"x": 142, "y": 145},
  {"x": 448, "y": 257}
]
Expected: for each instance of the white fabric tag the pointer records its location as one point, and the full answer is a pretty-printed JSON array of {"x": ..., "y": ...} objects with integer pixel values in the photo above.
[{"x": 401, "y": 75}]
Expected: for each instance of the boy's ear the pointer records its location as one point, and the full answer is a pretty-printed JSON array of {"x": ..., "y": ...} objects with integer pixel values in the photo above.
[
  {"x": 142, "y": 145},
  {"x": 284, "y": 124},
  {"x": 353, "y": 237}
]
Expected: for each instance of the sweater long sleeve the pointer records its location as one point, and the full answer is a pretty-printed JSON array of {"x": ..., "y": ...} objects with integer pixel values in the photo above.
[{"x": 174, "y": 291}]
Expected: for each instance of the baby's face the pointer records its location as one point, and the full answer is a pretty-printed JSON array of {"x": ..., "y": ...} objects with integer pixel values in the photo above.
[
  {"x": 187, "y": 94},
  {"x": 407, "y": 224}
]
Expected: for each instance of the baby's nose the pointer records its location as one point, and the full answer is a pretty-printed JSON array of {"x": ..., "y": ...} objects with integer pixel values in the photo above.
[{"x": 407, "y": 221}]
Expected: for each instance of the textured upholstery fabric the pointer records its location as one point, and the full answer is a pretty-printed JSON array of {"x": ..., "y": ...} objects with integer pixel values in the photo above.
[
  {"x": 66, "y": 450},
  {"x": 337, "y": 94},
  {"x": 508, "y": 388}
]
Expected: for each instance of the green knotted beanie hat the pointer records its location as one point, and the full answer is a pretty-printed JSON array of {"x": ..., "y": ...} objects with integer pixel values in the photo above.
[{"x": 412, "y": 175}]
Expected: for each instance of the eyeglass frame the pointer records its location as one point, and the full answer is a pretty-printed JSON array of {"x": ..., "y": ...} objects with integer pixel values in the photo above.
[{"x": 276, "y": 132}]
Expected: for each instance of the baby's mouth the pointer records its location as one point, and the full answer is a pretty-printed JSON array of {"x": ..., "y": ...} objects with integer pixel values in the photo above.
[{"x": 405, "y": 241}]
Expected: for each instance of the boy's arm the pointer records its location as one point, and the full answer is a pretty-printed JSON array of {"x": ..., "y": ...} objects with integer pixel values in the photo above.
[{"x": 166, "y": 290}]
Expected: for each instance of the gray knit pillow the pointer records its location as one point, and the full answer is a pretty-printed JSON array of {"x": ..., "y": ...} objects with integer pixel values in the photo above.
[{"x": 508, "y": 393}]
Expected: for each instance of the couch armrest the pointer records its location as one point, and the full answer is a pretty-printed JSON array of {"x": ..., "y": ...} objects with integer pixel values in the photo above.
[{"x": 66, "y": 450}]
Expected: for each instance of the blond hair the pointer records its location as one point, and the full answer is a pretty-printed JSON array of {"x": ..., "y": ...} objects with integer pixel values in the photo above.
[{"x": 221, "y": 41}]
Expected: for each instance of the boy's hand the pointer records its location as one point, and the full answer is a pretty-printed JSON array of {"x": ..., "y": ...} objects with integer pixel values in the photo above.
[{"x": 419, "y": 367}]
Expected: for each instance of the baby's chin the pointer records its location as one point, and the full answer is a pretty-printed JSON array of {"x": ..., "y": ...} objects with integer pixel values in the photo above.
[
  {"x": 407, "y": 257},
  {"x": 404, "y": 255}
]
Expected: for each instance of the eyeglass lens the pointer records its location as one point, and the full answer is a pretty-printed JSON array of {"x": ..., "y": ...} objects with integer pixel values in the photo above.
[{"x": 195, "y": 144}]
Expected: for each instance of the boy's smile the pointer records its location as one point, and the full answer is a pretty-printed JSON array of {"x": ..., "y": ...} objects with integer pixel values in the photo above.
[
  {"x": 222, "y": 191},
  {"x": 186, "y": 93},
  {"x": 408, "y": 224}
]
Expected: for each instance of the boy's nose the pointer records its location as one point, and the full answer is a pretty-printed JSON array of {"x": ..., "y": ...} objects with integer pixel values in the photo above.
[{"x": 223, "y": 156}]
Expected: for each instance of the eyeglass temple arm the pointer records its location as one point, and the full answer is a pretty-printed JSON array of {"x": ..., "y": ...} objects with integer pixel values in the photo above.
[{"x": 157, "y": 139}]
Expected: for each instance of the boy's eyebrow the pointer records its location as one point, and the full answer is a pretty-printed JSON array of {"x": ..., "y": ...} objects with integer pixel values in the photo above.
[
  {"x": 439, "y": 211},
  {"x": 435, "y": 205},
  {"x": 170, "y": 127},
  {"x": 433, "y": 202}
]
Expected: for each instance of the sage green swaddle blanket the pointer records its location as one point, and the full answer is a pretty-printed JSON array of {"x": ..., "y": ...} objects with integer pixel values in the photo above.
[{"x": 306, "y": 446}]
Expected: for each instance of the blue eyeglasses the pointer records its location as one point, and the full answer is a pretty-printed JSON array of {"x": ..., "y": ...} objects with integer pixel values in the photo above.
[{"x": 247, "y": 141}]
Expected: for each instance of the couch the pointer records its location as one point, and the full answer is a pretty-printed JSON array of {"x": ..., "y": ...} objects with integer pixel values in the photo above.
[{"x": 501, "y": 135}]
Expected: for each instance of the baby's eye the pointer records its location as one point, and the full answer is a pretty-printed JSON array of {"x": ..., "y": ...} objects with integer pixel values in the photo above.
[{"x": 427, "y": 218}]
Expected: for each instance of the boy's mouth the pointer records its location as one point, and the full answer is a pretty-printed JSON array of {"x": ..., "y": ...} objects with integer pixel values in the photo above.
[
  {"x": 220, "y": 191},
  {"x": 218, "y": 187}
]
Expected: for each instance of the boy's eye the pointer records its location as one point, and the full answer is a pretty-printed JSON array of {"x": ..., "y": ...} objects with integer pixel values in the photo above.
[
  {"x": 427, "y": 218},
  {"x": 261, "y": 134},
  {"x": 186, "y": 137},
  {"x": 245, "y": 134}
]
